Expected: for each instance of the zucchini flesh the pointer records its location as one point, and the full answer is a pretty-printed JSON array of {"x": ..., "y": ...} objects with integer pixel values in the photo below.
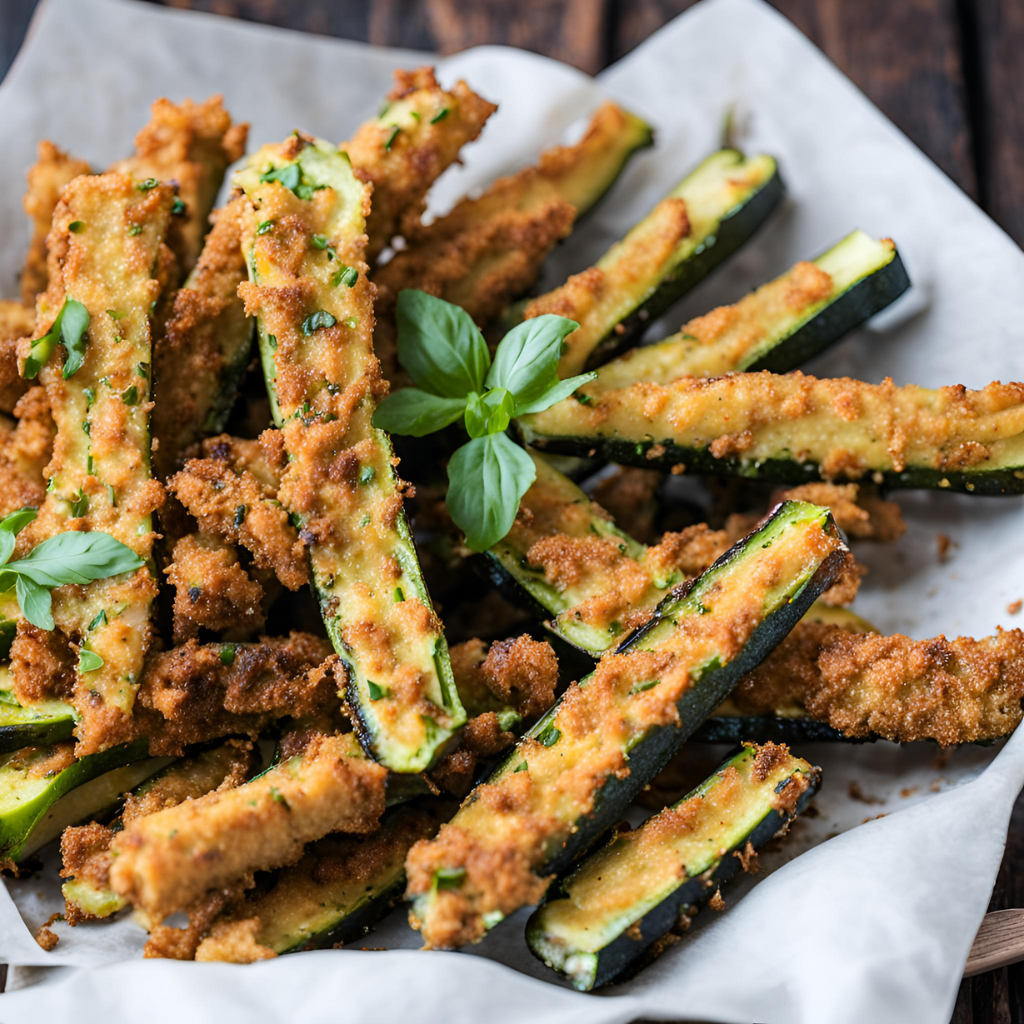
[
  {"x": 793, "y": 428},
  {"x": 564, "y": 783},
  {"x": 324, "y": 383},
  {"x": 342, "y": 887},
  {"x": 624, "y": 897},
  {"x": 44, "y": 789},
  {"x": 703, "y": 220},
  {"x": 100, "y": 473},
  {"x": 779, "y": 325}
]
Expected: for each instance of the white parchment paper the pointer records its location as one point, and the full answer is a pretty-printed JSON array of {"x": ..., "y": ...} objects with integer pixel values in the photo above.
[{"x": 873, "y": 921}]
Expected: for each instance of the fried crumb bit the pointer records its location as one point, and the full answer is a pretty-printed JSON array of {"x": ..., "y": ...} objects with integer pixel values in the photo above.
[
  {"x": 633, "y": 932},
  {"x": 945, "y": 544},
  {"x": 678, "y": 469},
  {"x": 938, "y": 785},
  {"x": 941, "y": 759},
  {"x": 908, "y": 791},
  {"x": 716, "y": 902},
  {"x": 46, "y": 936},
  {"x": 856, "y": 793},
  {"x": 748, "y": 859},
  {"x": 1014, "y": 607}
]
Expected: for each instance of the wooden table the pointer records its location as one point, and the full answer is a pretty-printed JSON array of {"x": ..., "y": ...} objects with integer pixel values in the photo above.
[{"x": 947, "y": 72}]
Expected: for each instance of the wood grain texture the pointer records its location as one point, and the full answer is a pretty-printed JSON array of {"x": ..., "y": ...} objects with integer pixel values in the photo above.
[
  {"x": 995, "y": 29},
  {"x": 919, "y": 86}
]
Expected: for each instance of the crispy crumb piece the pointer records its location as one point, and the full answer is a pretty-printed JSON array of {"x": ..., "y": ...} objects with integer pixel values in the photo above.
[
  {"x": 45, "y": 936},
  {"x": 945, "y": 544},
  {"x": 856, "y": 793},
  {"x": 716, "y": 902},
  {"x": 1014, "y": 607}
]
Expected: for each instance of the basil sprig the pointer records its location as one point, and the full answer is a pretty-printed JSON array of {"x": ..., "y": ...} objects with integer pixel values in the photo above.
[
  {"x": 72, "y": 557},
  {"x": 447, "y": 358},
  {"x": 69, "y": 329}
]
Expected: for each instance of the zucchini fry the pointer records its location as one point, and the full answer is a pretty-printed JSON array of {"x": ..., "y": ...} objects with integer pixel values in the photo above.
[
  {"x": 793, "y": 428},
  {"x": 416, "y": 137},
  {"x": 52, "y": 172},
  {"x": 100, "y": 473},
  {"x": 779, "y": 325},
  {"x": 201, "y": 358},
  {"x": 703, "y": 220},
  {"x": 170, "y": 860},
  {"x": 191, "y": 145},
  {"x": 865, "y": 685},
  {"x": 85, "y": 849},
  {"x": 487, "y": 251},
  {"x": 622, "y": 901},
  {"x": 303, "y": 235},
  {"x": 577, "y": 769},
  {"x": 342, "y": 887}
]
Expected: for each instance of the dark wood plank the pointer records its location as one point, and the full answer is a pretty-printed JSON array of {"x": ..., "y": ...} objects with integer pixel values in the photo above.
[
  {"x": 344, "y": 19},
  {"x": 573, "y": 31},
  {"x": 905, "y": 56},
  {"x": 14, "y": 18},
  {"x": 994, "y": 31}
]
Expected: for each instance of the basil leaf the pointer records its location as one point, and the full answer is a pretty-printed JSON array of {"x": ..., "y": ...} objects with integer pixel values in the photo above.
[
  {"x": 76, "y": 557},
  {"x": 440, "y": 346},
  {"x": 6, "y": 545},
  {"x": 42, "y": 348},
  {"x": 555, "y": 393},
  {"x": 487, "y": 478},
  {"x": 490, "y": 413},
  {"x": 14, "y": 522},
  {"x": 74, "y": 321},
  {"x": 526, "y": 361},
  {"x": 416, "y": 413},
  {"x": 89, "y": 661},
  {"x": 289, "y": 176},
  {"x": 34, "y": 602}
]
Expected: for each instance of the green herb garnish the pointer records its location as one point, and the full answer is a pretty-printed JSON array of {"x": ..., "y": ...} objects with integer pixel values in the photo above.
[
  {"x": 69, "y": 329},
  {"x": 449, "y": 362},
  {"x": 71, "y": 557}
]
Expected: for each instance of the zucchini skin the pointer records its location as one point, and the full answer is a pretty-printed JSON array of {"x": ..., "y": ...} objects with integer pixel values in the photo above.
[
  {"x": 867, "y": 297},
  {"x": 769, "y": 729},
  {"x": 17, "y": 825},
  {"x": 41, "y": 733},
  {"x": 624, "y": 951},
  {"x": 993, "y": 482}
]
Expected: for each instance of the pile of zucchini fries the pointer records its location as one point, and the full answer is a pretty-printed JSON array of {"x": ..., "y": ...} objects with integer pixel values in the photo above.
[{"x": 285, "y": 791}]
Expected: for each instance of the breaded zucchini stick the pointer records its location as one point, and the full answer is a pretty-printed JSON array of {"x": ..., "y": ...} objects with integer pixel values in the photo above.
[
  {"x": 201, "y": 357},
  {"x": 487, "y": 251},
  {"x": 342, "y": 886},
  {"x": 190, "y": 145},
  {"x": 85, "y": 849},
  {"x": 25, "y": 451},
  {"x": 16, "y": 321},
  {"x": 47, "y": 178},
  {"x": 303, "y": 235},
  {"x": 170, "y": 860},
  {"x": 793, "y": 428},
  {"x": 416, "y": 137},
  {"x": 574, "y": 772},
  {"x": 867, "y": 685},
  {"x": 105, "y": 247}
]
